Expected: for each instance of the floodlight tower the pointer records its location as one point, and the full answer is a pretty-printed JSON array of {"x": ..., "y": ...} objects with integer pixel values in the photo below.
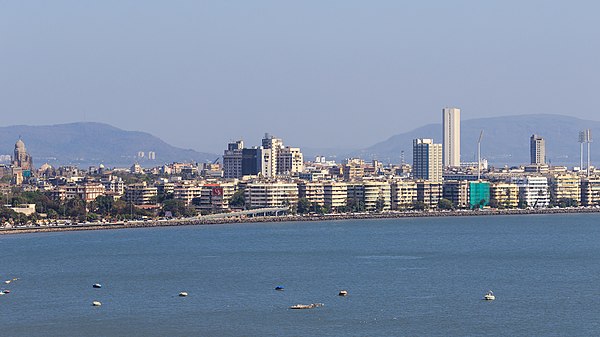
[
  {"x": 581, "y": 141},
  {"x": 588, "y": 138}
]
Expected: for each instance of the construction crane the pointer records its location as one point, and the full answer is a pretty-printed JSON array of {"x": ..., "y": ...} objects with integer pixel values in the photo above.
[{"x": 479, "y": 155}]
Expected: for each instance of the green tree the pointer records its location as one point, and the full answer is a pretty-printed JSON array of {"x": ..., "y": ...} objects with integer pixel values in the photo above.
[
  {"x": 178, "y": 208},
  {"x": 419, "y": 206},
  {"x": 445, "y": 204},
  {"x": 495, "y": 204},
  {"x": 238, "y": 200},
  {"x": 303, "y": 206}
]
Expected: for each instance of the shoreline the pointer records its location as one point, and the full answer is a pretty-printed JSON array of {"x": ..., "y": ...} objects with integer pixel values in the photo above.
[{"x": 294, "y": 218}]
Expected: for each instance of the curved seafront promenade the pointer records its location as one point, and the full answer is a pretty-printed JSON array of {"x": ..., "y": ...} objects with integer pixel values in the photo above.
[{"x": 287, "y": 218}]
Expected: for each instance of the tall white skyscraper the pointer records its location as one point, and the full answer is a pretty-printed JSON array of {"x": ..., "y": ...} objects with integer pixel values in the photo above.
[{"x": 451, "y": 143}]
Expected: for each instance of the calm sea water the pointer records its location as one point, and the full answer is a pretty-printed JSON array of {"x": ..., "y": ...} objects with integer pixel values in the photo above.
[{"x": 405, "y": 277}]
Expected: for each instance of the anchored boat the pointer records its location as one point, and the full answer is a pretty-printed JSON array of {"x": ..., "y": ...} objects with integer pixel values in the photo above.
[{"x": 307, "y": 306}]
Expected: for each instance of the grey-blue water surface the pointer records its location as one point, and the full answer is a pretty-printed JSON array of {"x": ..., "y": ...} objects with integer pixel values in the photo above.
[{"x": 405, "y": 277}]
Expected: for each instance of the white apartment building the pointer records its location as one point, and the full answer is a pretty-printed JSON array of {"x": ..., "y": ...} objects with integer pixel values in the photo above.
[
  {"x": 141, "y": 194},
  {"x": 187, "y": 191},
  {"x": 377, "y": 194},
  {"x": 533, "y": 191},
  {"x": 276, "y": 194}
]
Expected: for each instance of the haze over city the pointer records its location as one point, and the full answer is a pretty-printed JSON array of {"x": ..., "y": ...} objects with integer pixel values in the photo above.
[{"x": 342, "y": 74}]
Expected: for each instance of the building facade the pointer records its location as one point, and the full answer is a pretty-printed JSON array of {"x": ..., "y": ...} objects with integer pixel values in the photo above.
[
  {"x": 266, "y": 194},
  {"x": 479, "y": 194},
  {"x": 590, "y": 191},
  {"x": 533, "y": 191},
  {"x": 404, "y": 194},
  {"x": 429, "y": 193},
  {"x": 232, "y": 160},
  {"x": 427, "y": 160},
  {"x": 335, "y": 194},
  {"x": 537, "y": 149},
  {"x": 457, "y": 191},
  {"x": 451, "y": 135},
  {"x": 504, "y": 195},
  {"x": 565, "y": 188}
]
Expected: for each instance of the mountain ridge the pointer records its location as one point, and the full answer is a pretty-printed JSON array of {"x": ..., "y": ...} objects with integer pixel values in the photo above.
[{"x": 93, "y": 143}]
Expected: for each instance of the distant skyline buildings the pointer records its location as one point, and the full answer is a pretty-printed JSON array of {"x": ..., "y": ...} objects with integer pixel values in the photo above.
[
  {"x": 537, "y": 150},
  {"x": 269, "y": 160},
  {"x": 451, "y": 137}
]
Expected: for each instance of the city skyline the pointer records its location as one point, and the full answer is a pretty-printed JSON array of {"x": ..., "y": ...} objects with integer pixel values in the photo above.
[{"x": 556, "y": 128}]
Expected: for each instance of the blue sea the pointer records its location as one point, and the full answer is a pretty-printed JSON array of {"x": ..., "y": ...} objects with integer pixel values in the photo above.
[{"x": 404, "y": 277}]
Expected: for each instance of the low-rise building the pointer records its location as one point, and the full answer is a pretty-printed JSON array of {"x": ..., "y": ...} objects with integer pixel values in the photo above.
[
  {"x": 335, "y": 195},
  {"x": 267, "y": 194},
  {"x": 140, "y": 194},
  {"x": 187, "y": 190},
  {"x": 215, "y": 197},
  {"x": 504, "y": 195},
  {"x": 590, "y": 191},
  {"x": 377, "y": 196},
  {"x": 479, "y": 194},
  {"x": 404, "y": 194},
  {"x": 429, "y": 193},
  {"x": 533, "y": 191},
  {"x": 565, "y": 188},
  {"x": 457, "y": 191},
  {"x": 313, "y": 192}
]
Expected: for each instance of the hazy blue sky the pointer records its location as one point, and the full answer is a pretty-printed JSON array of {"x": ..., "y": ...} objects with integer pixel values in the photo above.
[{"x": 316, "y": 73}]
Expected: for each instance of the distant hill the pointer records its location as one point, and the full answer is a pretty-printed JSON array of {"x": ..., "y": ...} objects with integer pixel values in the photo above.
[
  {"x": 86, "y": 144},
  {"x": 505, "y": 140}
]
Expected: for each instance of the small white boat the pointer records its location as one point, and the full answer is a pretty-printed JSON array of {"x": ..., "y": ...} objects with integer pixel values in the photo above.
[
  {"x": 183, "y": 294},
  {"x": 7, "y": 281},
  {"x": 307, "y": 306},
  {"x": 343, "y": 293},
  {"x": 489, "y": 296},
  {"x": 97, "y": 285},
  {"x": 2, "y": 293},
  {"x": 96, "y": 303}
]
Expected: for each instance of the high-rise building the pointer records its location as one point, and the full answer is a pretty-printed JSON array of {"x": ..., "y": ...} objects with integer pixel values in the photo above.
[
  {"x": 273, "y": 146},
  {"x": 451, "y": 131},
  {"x": 427, "y": 160},
  {"x": 290, "y": 160},
  {"x": 251, "y": 161},
  {"x": 232, "y": 160},
  {"x": 537, "y": 150}
]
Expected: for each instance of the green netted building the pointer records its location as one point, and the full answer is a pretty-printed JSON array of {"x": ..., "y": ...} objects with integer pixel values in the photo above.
[{"x": 479, "y": 194}]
